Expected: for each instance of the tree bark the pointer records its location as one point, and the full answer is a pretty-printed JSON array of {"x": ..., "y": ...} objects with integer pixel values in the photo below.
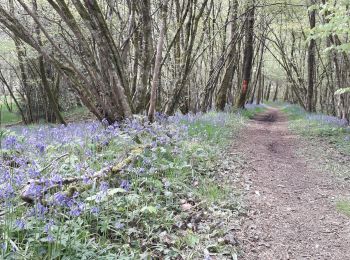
[
  {"x": 42, "y": 71},
  {"x": 275, "y": 96},
  {"x": 248, "y": 54},
  {"x": 158, "y": 62},
  {"x": 231, "y": 66},
  {"x": 311, "y": 63}
]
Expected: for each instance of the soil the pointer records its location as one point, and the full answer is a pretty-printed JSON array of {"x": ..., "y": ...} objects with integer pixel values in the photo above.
[{"x": 291, "y": 206}]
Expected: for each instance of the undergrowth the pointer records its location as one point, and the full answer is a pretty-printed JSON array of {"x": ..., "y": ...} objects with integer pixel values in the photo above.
[
  {"x": 326, "y": 128},
  {"x": 154, "y": 207},
  {"x": 8, "y": 117}
]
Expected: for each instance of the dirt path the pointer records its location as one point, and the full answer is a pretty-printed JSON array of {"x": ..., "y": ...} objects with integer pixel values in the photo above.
[{"x": 291, "y": 207}]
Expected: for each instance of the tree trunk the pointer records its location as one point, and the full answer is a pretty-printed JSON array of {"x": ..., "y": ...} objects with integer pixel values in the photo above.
[
  {"x": 268, "y": 92},
  {"x": 42, "y": 71},
  {"x": 248, "y": 54},
  {"x": 231, "y": 66},
  {"x": 158, "y": 62},
  {"x": 139, "y": 99},
  {"x": 311, "y": 63},
  {"x": 275, "y": 96},
  {"x": 3, "y": 80}
]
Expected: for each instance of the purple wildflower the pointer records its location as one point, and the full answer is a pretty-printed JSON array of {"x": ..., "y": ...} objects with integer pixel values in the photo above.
[
  {"x": 77, "y": 209},
  {"x": 95, "y": 210},
  {"x": 119, "y": 225},
  {"x": 40, "y": 211},
  {"x": 10, "y": 142},
  {"x": 41, "y": 148},
  {"x": 125, "y": 184},
  {"x": 20, "y": 224},
  {"x": 48, "y": 226},
  {"x": 50, "y": 238},
  {"x": 60, "y": 199},
  {"x": 104, "y": 186},
  {"x": 33, "y": 174}
]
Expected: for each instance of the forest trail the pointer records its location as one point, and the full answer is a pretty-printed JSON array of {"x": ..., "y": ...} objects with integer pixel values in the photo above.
[{"x": 291, "y": 207}]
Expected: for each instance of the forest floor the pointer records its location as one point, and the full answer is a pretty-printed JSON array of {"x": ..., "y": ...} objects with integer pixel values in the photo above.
[{"x": 290, "y": 195}]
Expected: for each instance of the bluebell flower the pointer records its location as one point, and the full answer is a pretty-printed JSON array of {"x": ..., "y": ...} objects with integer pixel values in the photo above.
[
  {"x": 77, "y": 209},
  {"x": 56, "y": 179},
  {"x": 104, "y": 186},
  {"x": 119, "y": 225},
  {"x": 41, "y": 148},
  {"x": 75, "y": 212},
  {"x": 20, "y": 224},
  {"x": 48, "y": 226},
  {"x": 125, "y": 184},
  {"x": 35, "y": 190},
  {"x": 60, "y": 199},
  {"x": 7, "y": 191},
  {"x": 94, "y": 210},
  {"x": 50, "y": 238},
  {"x": 10, "y": 142},
  {"x": 39, "y": 211},
  {"x": 33, "y": 174}
]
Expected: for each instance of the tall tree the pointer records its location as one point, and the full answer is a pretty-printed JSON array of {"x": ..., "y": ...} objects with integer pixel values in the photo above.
[
  {"x": 231, "y": 64},
  {"x": 311, "y": 60},
  {"x": 248, "y": 53},
  {"x": 158, "y": 62}
]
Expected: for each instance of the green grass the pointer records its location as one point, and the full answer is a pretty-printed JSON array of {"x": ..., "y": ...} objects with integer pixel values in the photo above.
[
  {"x": 212, "y": 192},
  {"x": 252, "y": 112},
  {"x": 343, "y": 206},
  {"x": 76, "y": 113},
  {"x": 303, "y": 124},
  {"x": 8, "y": 117},
  {"x": 293, "y": 112}
]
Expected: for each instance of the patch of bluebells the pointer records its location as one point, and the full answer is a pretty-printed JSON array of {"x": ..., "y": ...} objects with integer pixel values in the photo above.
[
  {"x": 30, "y": 149},
  {"x": 330, "y": 120},
  {"x": 254, "y": 105}
]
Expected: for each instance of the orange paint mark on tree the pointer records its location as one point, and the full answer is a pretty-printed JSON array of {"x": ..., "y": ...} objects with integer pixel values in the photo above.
[{"x": 245, "y": 86}]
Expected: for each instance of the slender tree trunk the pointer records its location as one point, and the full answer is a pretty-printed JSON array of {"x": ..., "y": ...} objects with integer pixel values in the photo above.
[
  {"x": 42, "y": 71},
  {"x": 192, "y": 28},
  {"x": 231, "y": 66},
  {"x": 3, "y": 80},
  {"x": 268, "y": 92},
  {"x": 248, "y": 54},
  {"x": 158, "y": 62},
  {"x": 311, "y": 63},
  {"x": 139, "y": 98},
  {"x": 275, "y": 96}
]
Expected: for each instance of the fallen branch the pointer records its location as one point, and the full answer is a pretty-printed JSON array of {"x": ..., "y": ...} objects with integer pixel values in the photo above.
[
  {"x": 104, "y": 173},
  {"x": 54, "y": 160}
]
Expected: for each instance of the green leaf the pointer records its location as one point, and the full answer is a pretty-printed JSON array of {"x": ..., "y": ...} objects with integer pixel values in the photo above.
[
  {"x": 149, "y": 209},
  {"x": 104, "y": 196}
]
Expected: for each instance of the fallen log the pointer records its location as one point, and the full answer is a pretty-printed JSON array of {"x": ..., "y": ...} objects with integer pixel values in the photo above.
[{"x": 28, "y": 196}]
